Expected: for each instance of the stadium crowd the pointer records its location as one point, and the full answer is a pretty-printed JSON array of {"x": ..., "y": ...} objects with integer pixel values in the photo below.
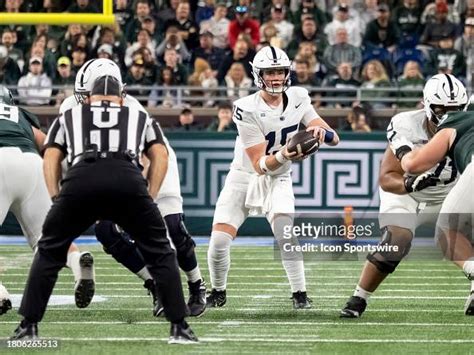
[{"x": 343, "y": 45}]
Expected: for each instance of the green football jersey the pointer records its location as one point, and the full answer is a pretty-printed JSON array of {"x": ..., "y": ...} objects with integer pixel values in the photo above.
[
  {"x": 463, "y": 146},
  {"x": 16, "y": 128}
]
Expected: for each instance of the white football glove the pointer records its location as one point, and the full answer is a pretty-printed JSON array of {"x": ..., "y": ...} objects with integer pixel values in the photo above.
[{"x": 420, "y": 182}]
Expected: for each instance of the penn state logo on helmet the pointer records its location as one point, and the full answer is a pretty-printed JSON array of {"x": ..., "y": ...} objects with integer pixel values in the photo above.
[
  {"x": 443, "y": 93},
  {"x": 269, "y": 58}
]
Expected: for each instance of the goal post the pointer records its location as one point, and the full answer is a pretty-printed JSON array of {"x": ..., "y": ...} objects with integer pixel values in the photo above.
[{"x": 32, "y": 18}]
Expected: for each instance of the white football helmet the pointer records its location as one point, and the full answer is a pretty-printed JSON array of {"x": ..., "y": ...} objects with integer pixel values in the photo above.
[
  {"x": 90, "y": 72},
  {"x": 271, "y": 58},
  {"x": 443, "y": 93}
]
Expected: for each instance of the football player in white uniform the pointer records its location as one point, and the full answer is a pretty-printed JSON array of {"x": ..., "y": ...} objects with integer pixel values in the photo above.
[
  {"x": 259, "y": 180},
  {"x": 169, "y": 202},
  {"x": 23, "y": 191},
  {"x": 409, "y": 201}
]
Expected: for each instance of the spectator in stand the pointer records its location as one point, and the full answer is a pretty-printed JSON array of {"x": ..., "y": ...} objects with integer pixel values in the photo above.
[
  {"x": 365, "y": 11},
  {"x": 35, "y": 87},
  {"x": 22, "y": 31},
  {"x": 407, "y": 18},
  {"x": 8, "y": 40},
  {"x": 243, "y": 24},
  {"x": 64, "y": 77},
  {"x": 66, "y": 46},
  {"x": 136, "y": 77},
  {"x": 150, "y": 63},
  {"x": 122, "y": 12},
  {"x": 242, "y": 54},
  {"x": 303, "y": 76},
  {"x": 310, "y": 8},
  {"x": 440, "y": 28},
  {"x": 465, "y": 43},
  {"x": 79, "y": 57},
  {"x": 189, "y": 31},
  {"x": 343, "y": 80},
  {"x": 237, "y": 82},
  {"x": 180, "y": 73},
  {"x": 142, "y": 10},
  {"x": 342, "y": 19},
  {"x": 143, "y": 41},
  {"x": 187, "y": 122},
  {"x": 382, "y": 32},
  {"x": 164, "y": 96},
  {"x": 374, "y": 77},
  {"x": 111, "y": 35},
  {"x": 278, "y": 19},
  {"x": 223, "y": 122},
  {"x": 429, "y": 14},
  {"x": 48, "y": 59},
  {"x": 269, "y": 37},
  {"x": 149, "y": 24},
  {"x": 342, "y": 51},
  {"x": 204, "y": 11},
  {"x": 169, "y": 12},
  {"x": 308, "y": 32},
  {"x": 447, "y": 60},
  {"x": 203, "y": 77},
  {"x": 105, "y": 51},
  {"x": 83, "y": 6},
  {"x": 173, "y": 40},
  {"x": 218, "y": 25},
  {"x": 9, "y": 71},
  {"x": 307, "y": 52},
  {"x": 358, "y": 120},
  {"x": 411, "y": 79},
  {"x": 207, "y": 51}
]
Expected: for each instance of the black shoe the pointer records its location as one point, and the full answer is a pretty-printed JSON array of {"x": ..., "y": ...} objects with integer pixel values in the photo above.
[
  {"x": 197, "y": 298},
  {"x": 5, "y": 306},
  {"x": 301, "y": 300},
  {"x": 216, "y": 298},
  {"x": 354, "y": 307},
  {"x": 181, "y": 333},
  {"x": 25, "y": 331},
  {"x": 469, "y": 306},
  {"x": 85, "y": 287},
  {"x": 157, "y": 305}
]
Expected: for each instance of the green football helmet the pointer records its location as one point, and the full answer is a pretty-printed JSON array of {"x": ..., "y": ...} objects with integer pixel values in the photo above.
[{"x": 6, "y": 96}]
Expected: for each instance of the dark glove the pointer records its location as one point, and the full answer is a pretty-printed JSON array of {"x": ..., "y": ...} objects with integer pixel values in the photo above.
[{"x": 420, "y": 182}]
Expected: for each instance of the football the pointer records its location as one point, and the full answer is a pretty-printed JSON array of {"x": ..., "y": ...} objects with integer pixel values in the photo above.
[{"x": 303, "y": 142}]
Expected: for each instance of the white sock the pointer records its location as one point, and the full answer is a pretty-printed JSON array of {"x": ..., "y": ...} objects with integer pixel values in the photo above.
[
  {"x": 144, "y": 274},
  {"x": 72, "y": 262},
  {"x": 360, "y": 292},
  {"x": 218, "y": 259},
  {"x": 194, "y": 275},
  {"x": 292, "y": 261},
  {"x": 295, "y": 273},
  {"x": 468, "y": 269}
]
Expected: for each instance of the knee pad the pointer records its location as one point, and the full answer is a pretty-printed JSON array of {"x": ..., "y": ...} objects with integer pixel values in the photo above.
[
  {"x": 180, "y": 236},
  {"x": 387, "y": 261}
]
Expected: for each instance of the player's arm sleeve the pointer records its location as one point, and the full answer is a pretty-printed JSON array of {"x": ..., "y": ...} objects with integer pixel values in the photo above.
[
  {"x": 56, "y": 137},
  {"x": 249, "y": 132},
  {"x": 309, "y": 112},
  {"x": 31, "y": 117},
  {"x": 153, "y": 135}
]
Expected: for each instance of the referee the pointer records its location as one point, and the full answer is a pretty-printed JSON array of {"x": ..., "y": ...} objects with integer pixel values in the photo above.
[{"x": 102, "y": 141}]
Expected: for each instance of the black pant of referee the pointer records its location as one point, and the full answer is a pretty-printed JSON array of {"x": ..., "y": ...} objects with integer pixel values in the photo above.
[{"x": 102, "y": 185}]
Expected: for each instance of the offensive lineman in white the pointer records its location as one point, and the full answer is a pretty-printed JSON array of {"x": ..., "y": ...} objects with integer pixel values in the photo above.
[
  {"x": 409, "y": 201},
  {"x": 169, "y": 201},
  {"x": 259, "y": 180}
]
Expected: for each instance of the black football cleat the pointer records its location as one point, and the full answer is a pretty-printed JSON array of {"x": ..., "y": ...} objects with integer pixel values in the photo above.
[
  {"x": 301, "y": 300},
  {"x": 469, "y": 306},
  {"x": 354, "y": 307},
  {"x": 216, "y": 298},
  {"x": 197, "y": 298},
  {"x": 85, "y": 286},
  {"x": 157, "y": 305},
  {"x": 181, "y": 333},
  {"x": 5, "y": 306},
  {"x": 25, "y": 331}
]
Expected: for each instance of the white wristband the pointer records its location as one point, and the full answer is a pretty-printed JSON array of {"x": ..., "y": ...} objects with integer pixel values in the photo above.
[
  {"x": 263, "y": 164},
  {"x": 280, "y": 157}
]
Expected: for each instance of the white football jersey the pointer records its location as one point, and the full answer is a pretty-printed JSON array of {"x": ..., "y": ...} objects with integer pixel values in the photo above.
[
  {"x": 257, "y": 122},
  {"x": 412, "y": 126}
]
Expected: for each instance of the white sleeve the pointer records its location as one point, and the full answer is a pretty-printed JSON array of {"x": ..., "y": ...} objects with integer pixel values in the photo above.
[
  {"x": 309, "y": 112},
  {"x": 249, "y": 132}
]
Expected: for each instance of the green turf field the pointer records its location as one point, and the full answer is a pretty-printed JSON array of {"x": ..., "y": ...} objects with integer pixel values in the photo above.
[{"x": 418, "y": 310}]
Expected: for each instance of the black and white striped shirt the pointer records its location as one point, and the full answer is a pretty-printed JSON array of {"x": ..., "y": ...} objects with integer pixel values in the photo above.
[{"x": 113, "y": 128}]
